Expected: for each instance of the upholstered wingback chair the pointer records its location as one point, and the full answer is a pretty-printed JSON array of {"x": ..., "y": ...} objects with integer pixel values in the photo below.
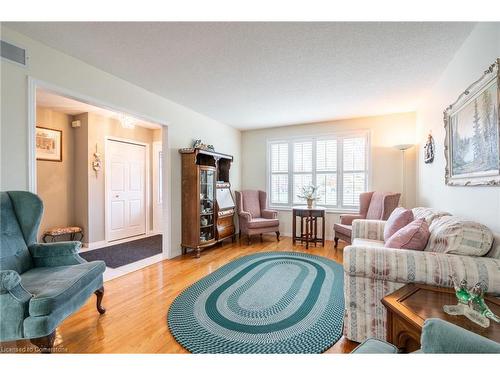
[
  {"x": 40, "y": 284},
  {"x": 438, "y": 337},
  {"x": 373, "y": 205},
  {"x": 254, "y": 216}
]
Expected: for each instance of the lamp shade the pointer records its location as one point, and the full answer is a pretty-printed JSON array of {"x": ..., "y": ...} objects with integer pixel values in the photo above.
[{"x": 403, "y": 147}]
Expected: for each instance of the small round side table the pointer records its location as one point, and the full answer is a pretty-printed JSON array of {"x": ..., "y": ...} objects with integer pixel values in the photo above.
[{"x": 308, "y": 225}]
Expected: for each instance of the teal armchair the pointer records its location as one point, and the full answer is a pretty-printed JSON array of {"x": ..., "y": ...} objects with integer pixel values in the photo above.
[
  {"x": 438, "y": 337},
  {"x": 40, "y": 284}
]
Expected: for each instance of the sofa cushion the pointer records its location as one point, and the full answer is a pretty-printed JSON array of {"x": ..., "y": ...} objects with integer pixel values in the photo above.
[
  {"x": 52, "y": 287},
  {"x": 429, "y": 214},
  {"x": 344, "y": 229},
  {"x": 259, "y": 222},
  {"x": 453, "y": 235},
  {"x": 399, "y": 218},
  {"x": 413, "y": 236},
  {"x": 367, "y": 243}
]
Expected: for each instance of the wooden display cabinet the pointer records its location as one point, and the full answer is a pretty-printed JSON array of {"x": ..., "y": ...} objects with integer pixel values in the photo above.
[{"x": 207, "y": 203}]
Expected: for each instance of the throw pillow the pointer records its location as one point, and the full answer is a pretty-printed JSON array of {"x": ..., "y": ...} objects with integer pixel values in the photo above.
[
  {"x": 414, "y": 236},
  {"x": 453, "y": 235},
  {"x": 399, "y": 218}
]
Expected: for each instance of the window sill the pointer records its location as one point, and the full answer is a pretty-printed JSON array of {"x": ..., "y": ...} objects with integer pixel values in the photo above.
[{"x": 328, "y": 210}]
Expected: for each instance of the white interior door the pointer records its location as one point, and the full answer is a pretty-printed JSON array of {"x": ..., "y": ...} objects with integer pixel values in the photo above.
[
  {"x": 157, "y": 187},
  {"x": 126, "y": 193}
]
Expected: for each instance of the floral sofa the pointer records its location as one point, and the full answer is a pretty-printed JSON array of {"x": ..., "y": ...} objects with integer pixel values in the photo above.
[{"x": 371, "y": 271}]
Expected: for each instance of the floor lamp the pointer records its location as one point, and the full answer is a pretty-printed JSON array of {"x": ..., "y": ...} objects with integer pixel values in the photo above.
[{"x": 403, "y": 149}]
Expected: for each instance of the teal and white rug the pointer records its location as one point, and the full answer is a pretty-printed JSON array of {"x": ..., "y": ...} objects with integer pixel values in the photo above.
[{"x": 275, "y": 302}]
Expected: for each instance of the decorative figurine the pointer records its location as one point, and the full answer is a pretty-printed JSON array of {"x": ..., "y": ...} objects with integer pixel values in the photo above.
[
  {"x": 471, "y": 303},
  {"x": 97, "y": 163},
  {"x": 201, "y": 146},
  {"x": 429, "y": 150},
  {"x": 476, "y": 302}
]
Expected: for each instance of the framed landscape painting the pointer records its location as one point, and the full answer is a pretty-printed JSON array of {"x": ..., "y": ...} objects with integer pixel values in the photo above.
[
  {"x": 472, "y": 124},
  {"x": 48, "y": 144}
]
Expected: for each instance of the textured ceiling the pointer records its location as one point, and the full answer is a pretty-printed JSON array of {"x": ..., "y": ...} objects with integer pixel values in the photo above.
[{"x": 254, "y": 75}]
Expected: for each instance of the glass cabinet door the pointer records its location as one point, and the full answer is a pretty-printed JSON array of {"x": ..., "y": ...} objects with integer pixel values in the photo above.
[{"x": 207, "y": 203}]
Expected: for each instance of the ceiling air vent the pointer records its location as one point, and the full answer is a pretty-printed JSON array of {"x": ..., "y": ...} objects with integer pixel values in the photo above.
[{"x": 13, "y": 53}]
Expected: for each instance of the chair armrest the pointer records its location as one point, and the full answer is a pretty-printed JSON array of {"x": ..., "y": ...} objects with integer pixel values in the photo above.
[
  {"x": 347, "y": 219},
  {"x": 10, "y": 282},
  {"x": 368, "y": 229},
  {"x": 56, "y": 254},
  {"x": 269, "y": 214},
  {"x": 439, "y": 336},
  {"x": 424, "y": 267},
  {"x": 246, "y": 216}
]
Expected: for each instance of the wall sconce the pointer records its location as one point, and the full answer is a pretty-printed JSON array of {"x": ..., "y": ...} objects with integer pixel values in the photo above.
[{"x": 97, "y": 163}]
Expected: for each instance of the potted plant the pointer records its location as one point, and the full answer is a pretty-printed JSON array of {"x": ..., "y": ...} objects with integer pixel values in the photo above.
[{"x": 309, "y": 193}]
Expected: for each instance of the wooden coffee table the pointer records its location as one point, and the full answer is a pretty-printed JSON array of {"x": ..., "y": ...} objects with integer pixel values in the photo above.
[{"x": 409, "y": 306}]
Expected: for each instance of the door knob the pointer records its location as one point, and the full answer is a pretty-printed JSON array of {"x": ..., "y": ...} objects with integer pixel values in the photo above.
[{"x": 117, "y": 196}]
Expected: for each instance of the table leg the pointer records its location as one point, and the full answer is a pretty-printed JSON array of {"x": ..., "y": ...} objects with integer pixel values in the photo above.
[
  {"x": 307, "y": 232},
  {"x": 315, "y": 231},
  {"x": 323, "y": 230},
  {"x": 294, "y": 227}
]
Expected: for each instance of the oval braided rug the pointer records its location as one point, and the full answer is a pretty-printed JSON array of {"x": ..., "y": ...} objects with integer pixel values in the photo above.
[{"x": 274, "y": 302}]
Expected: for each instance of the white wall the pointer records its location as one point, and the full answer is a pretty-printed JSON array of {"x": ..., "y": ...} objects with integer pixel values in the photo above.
[
  {"x": 385, "y": 132},
  {"x": 475, "y": 203},
  {"x": 51, "y": 66}
]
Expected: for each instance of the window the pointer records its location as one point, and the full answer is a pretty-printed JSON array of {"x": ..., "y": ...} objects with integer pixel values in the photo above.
[{"x": 337, "y": 164}]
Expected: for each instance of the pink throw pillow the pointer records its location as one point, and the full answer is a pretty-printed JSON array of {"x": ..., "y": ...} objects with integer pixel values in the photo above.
[
  {"x": 414, "y": 236},
  {"x": 399, "y": 218}
]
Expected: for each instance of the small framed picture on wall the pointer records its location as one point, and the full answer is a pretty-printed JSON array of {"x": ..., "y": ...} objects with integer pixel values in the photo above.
[{"x": 48, "y": 144}]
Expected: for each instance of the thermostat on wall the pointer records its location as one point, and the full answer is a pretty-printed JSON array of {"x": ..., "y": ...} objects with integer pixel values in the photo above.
[{"x": 76, "y": 124}]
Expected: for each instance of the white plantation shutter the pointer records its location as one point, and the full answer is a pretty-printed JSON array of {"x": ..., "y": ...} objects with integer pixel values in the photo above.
[
  {"x": 279, "y": 157},
  {"x": 300, "y": 180},
  {"x": 302, "y": 157},
  {"x": 354, "y": 154},
  {"x": 327, "y": 188},
  {"x": 354, "y": 170},
  {"x": 336, "y": 164},
  {"x": 326, "y": 155},
  {"x": 279, "y": 188},
  {"x": 279, "y": 173},
  {"x": 354, "y": 184}
]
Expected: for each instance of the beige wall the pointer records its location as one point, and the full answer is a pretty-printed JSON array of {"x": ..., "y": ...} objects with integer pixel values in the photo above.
[
  {"x": 55, "y": 180},
  {"x": 475, "y": 203},
  {"x": 54, "y": 67},
  {"x": 386, "y": 162}
]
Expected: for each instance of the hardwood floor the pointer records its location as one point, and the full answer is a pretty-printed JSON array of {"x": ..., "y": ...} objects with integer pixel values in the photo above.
[{"x": 137, "y": 304}]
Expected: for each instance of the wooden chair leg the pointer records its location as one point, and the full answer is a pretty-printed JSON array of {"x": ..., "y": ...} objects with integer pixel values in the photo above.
[
  {"x": 261, "y": 237},
  {"x": 45, "y": 343},
  {"x": 278, "y": 235},
  {"x": 336, "y": 239},
  {"x": 249, "y": 240},
  {"x": 100, "y": 293}
]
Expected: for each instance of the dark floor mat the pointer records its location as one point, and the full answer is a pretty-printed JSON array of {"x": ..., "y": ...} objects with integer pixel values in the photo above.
[{"x": 125, "y": 253}]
